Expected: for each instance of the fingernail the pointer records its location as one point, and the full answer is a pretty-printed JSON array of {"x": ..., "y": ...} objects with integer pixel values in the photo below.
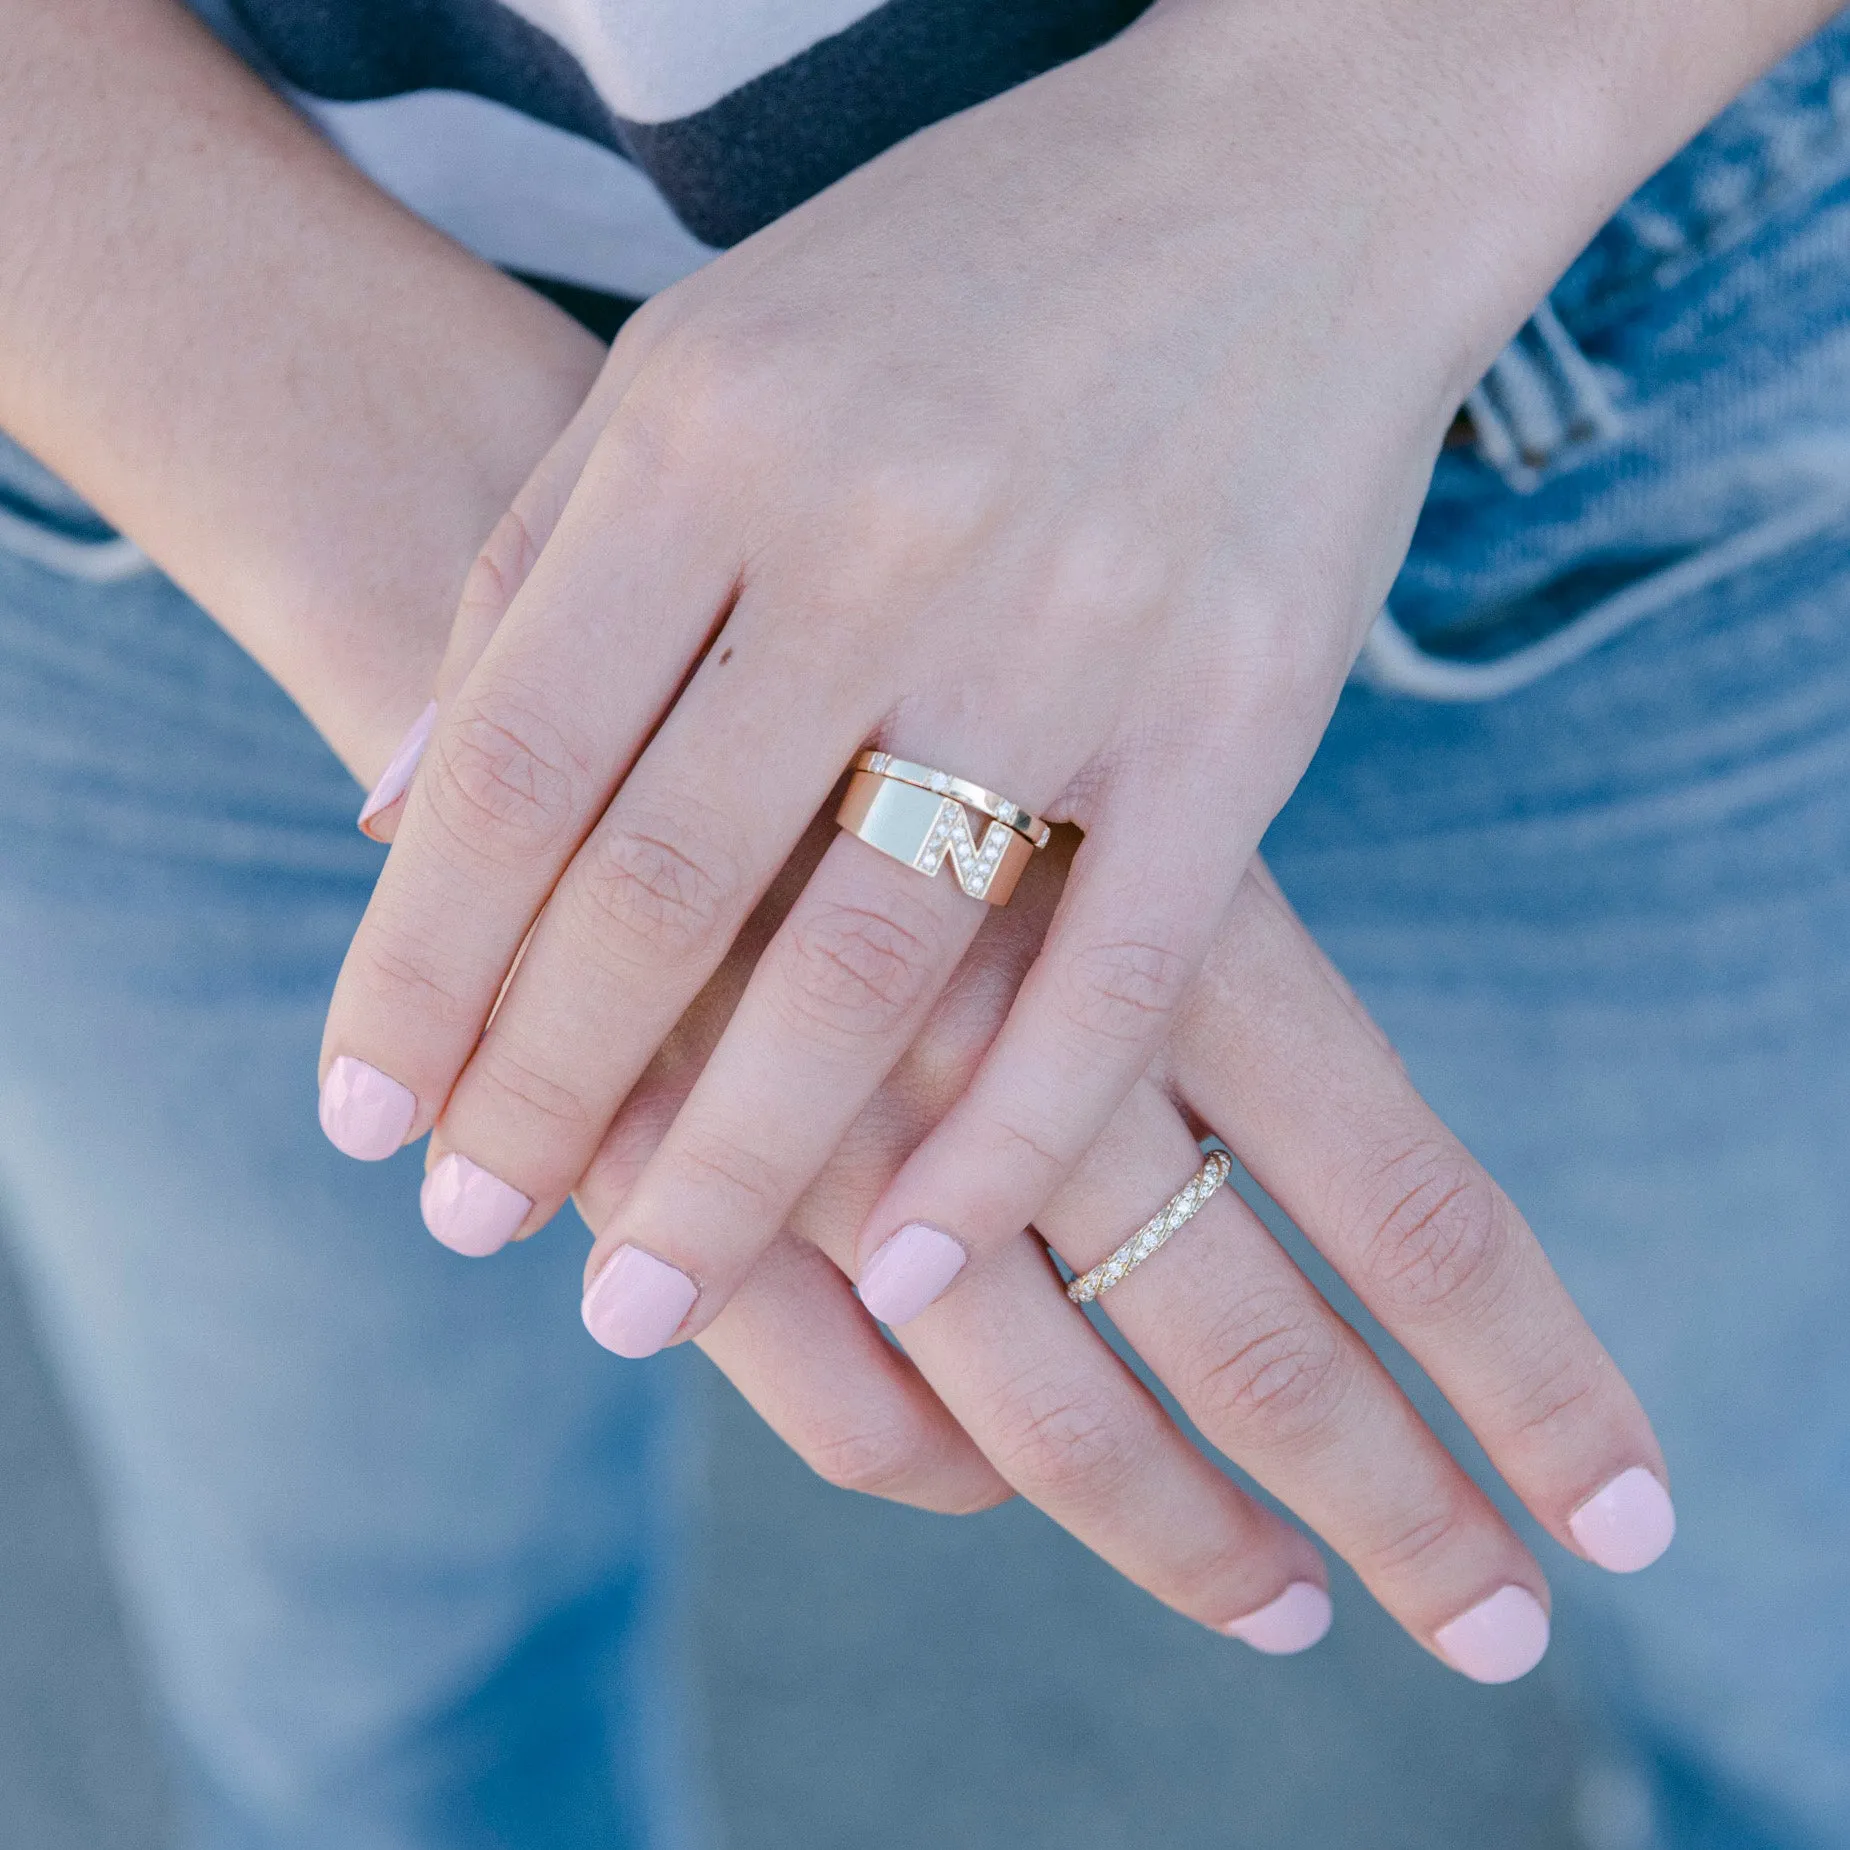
[
  {"x": 395, "y": 779},
  {"x": 1499, "y": 1639},
  {"x": 909, "y": 1272},
  {"x": 469, "y": 1210},
  {"x": 1627, "y": 1525},
  {"x": 1292, "y": 1622},
  {"x": 637, "y": 1302},
  {"x": 364, "y": 1113}
]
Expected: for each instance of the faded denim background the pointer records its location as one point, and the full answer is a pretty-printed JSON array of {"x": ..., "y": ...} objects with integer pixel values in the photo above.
[{"x": 873, "y": 1677}]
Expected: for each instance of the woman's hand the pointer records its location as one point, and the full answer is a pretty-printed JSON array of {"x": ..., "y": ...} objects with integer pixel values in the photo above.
[
  {"x": 1005, "y": 1386},
  {"x": 338, "y": 575},
  {"x": 1071, "y": 447}
]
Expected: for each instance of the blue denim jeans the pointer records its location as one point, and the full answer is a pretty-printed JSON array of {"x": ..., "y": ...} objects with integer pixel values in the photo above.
[
  {"x": 402, "y": 1550},
  {"x": 401, "y": 1547}
]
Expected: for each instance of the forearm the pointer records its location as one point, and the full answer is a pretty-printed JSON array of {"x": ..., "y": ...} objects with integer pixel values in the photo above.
[
  {"x": 305, "y": 405},
  {"x": 1472, "y": 146}
]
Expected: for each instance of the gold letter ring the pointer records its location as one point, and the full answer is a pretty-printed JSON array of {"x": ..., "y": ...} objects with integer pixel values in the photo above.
[
  {"x": 1161, "y": 1227},
  {"x": 921, "y": 816}
]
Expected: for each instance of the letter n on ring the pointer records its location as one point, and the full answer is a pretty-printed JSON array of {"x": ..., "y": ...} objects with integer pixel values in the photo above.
[
  {"x": 950, "y": 835},
  {"x": 922, "y": 830}
]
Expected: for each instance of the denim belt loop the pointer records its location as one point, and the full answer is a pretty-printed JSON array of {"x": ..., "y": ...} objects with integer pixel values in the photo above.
[{"x": 1541, "y": 397}]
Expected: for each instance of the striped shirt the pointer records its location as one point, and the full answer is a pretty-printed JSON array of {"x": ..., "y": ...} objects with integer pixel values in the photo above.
[{"x": 616, "y": 144}]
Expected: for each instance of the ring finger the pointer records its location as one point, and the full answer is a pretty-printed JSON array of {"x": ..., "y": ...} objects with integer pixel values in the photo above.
[{"x": 1276, "y": 1380}]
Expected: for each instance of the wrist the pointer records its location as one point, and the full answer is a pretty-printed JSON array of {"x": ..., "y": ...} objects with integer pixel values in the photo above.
[
  {"x": 302, "y": 403},
  {"x": 1474, "y": 147},
  {"x": 349, "y": 600}
]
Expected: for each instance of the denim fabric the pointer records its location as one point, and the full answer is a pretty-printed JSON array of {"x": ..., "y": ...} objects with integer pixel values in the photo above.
[
  {"x": 1606, "y": 919},
  {"x": 402, "y": 1551}
]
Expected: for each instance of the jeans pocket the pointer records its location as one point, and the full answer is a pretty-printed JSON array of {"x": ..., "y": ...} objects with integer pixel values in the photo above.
[{"x": 1596, "y": 612}]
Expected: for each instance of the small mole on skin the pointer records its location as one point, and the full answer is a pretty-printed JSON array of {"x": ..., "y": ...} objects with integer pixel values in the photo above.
[{"x": 725, "y": 658}]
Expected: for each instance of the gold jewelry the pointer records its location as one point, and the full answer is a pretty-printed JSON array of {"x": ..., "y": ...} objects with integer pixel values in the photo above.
[
  {"x": 917, "y": 815},
  {"x": 1175, "y": 1214},
  {"x": 972, "y": 796}
]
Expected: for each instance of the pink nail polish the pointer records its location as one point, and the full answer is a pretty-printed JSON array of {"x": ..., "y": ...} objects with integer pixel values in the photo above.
[
  {"x": 395, "y": 779},
  {"x": 364, "y": 1113},
  {"x": 468, "y": 1209},
  {"x": 1292, "y": 1622},
  {"x": 637, "y": 1302},
  {"x": 910, "y": 1271},
  {"x": 1499, "y": 1639},
  {"x": 1627, "y": 1525}
]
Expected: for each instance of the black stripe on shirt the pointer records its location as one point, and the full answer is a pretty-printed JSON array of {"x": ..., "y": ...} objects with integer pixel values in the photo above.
[{"x": 748, "y": 158}]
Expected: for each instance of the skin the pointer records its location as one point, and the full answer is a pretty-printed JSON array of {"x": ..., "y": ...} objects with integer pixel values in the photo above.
[
  {"x": 1071, "y": 445},
  {"x": 266, "y": 414},
  {"x": 1273, "y": 1052}
]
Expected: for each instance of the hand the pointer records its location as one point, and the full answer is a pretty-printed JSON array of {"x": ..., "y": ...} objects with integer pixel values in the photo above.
[
  {"x": 1070, "y": 446},
  {"x": 1005, "y": 1386},
  {"x": 360, "y": 604}
]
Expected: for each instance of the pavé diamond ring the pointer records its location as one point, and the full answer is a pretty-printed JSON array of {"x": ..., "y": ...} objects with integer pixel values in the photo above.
[
  {"x": 1175, "y": 1214},
  {"x": 921, "y": 816}
]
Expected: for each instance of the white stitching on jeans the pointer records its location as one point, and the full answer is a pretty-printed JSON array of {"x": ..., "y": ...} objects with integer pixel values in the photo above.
[{"x": 1393, "y": 662}]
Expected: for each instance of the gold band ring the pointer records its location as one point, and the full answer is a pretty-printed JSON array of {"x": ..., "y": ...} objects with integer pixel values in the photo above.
[
  {"x": 920, "y": 818},
  {"x": 972, "y": 796},
  {"x": 1175, "y": 1214}
]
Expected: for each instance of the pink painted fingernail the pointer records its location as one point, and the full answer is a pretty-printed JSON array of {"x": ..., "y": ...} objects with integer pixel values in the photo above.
[
  {"x": 395, "y": 779},
  {"x": 469, "y": 1210},
  {"x": 637, "y": 1302},
  {"x": 1292, "y": 1622},
  {"x": 1499, "y": 1639},
  {"x": 364, "y": 1113},
  {"x": 910, "y": 1271},
  {"x": 1627, "y": 1525}
]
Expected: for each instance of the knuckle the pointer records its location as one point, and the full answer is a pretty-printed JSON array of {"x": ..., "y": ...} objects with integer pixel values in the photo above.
[
  {"x": 856, "y": 973},
  {"x": 1101, "y": 569},
  {"x": 504, "y": 776},
  {"x": 748, "y": 1184},
  {"x": 1414, "y": 1539},
  {"x": 908, "y": 516},
  {"x": 648, "y": 324},
  {"x": 646, "y": 891},
  {"x": 1434, "y": 1232},
  {"x": 877, "y": 1460},
  {"x": 710, "y": 388},
  {"x": 515, "y": 1081},
  {"x": 1551, "y": 1405},
  {"x": 500, "y": 568},
  {"x": 1123, "y": 990},
  {"x": 1063, "y": 1443},
  {"x": 1279, "y": 1374},
  {"x": 399, "y": 977}
]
